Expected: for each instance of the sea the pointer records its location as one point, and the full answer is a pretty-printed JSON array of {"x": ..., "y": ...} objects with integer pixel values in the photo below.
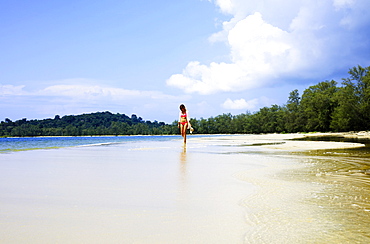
[{"x": 14, "y": 144}]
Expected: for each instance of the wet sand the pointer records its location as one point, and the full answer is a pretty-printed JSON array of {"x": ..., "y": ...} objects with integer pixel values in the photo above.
[
  {"x": 304, "y": 194},
  {"x": 228, "y": 189}
]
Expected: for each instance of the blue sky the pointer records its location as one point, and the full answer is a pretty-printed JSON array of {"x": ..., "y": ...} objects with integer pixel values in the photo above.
[{"x": 147, "y": 57}]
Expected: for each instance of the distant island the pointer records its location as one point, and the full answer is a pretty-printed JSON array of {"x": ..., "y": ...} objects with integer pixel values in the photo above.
[
  {"x": 323, "y": 107},
  {"x": 93, "y": 124}
]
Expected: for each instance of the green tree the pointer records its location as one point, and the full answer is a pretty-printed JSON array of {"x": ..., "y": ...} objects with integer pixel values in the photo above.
[
  {"x": 223, "y": 123},
  {"x": 293, "y": 114},
  {"x": 353, "y": 100},
  {"x": 268, "y": 120},
  {"x": 318, "y": 105}
]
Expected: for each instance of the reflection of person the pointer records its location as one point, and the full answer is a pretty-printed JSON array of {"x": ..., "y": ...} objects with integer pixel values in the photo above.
[
  {"x": 184, "y": 122},
  {"x": 183, "y": 173}
]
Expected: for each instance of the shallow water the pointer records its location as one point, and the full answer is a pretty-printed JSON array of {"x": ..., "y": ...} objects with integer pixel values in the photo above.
[
  {"x": 316, "y": 196},
  {"x": 342, "y": 196},
  {"x": 19, "y": 144},
  {"x": 15, "y": 144},
  {"x": 214, "y": 190},
  {"x": 346, "y": 196},
  {"x": 142, "y": 192}
]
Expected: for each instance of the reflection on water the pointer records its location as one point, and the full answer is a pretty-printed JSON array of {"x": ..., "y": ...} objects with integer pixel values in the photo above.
[
  {"x": 344, "y": 199},
  {"x": 182, "y": 190},
  {"x": 183, "y": 164}
]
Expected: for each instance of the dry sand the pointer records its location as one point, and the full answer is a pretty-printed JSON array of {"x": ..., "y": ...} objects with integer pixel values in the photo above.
[{"x": 284, "y": 142}]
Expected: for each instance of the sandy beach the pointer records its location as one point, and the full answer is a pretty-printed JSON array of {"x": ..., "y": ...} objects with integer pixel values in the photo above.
[
  {"x": 222, "y": 189},
  {"x": 284, "y": 141}
]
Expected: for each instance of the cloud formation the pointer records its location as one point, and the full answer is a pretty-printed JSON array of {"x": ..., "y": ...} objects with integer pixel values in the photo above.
[
  {"x": 67, "y": 98},
  {"x": 90, "y": 92},
  {"x": 240, "y": 104},
  {"x": 271, "y": 41},
  {"x": 6, "y": 90},
  {"x": 83, "y": 92}
]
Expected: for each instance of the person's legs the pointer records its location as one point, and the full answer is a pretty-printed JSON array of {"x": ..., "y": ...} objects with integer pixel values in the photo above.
[{"x": 183, "y": 131}]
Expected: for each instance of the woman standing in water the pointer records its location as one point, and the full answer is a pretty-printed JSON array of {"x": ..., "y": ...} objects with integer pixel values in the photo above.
[{"x": 184, "y": 122}]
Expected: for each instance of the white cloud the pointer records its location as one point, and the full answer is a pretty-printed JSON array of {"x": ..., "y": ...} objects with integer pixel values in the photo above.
[
  {"x": 240, "y": 104},
  {"x": 87, "y": 92},
  {"x": 67, "y": 98},
  {"x": 256, "y": 49},
  {"x": 343, "y": 3},
  {"x": 11, "y": 90},
  {"x": 272, "y": 41},
  {"x": 96, "y": 92},
  {"x": 256, "y": 44},
  {"x": 208, "y": 79},
  {"x": 226, "y": 6}
]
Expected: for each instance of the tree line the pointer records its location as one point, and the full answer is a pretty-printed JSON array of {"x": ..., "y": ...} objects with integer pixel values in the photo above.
[
  {"x": 322, "y": 107},
  {"x": 93, "y": 124}
]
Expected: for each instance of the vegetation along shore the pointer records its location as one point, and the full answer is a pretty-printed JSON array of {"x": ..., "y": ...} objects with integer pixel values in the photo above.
[{"x": 322, "y": 107}]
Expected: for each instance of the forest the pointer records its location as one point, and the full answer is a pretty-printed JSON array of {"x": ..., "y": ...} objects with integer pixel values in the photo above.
[
  {"x": 322, "y": 107},
  {"x": 93, "y": 124}
]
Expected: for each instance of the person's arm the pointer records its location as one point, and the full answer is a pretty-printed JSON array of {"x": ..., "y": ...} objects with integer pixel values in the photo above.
[
  {"x": 188, "y": 119},
  {"x": 178, "y": 122}
]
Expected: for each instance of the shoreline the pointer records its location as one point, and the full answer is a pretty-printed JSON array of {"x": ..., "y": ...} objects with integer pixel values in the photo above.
[
  {"x": 306, "y": 197},
  {"x": 79, "y": 136},
  {"x": 287, "y": 142},
  {"x": 349, "y": 134},
  {"x": 259, "y": 189}
]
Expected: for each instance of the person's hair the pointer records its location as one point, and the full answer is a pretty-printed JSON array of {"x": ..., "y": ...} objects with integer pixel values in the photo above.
[{"x": 182, "y": 108}]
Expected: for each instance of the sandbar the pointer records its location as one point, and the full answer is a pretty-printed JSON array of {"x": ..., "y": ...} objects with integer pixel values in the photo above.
[{"x": 285, "y": 141}]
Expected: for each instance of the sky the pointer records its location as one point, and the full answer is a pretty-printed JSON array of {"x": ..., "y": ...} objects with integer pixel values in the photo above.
[{"x": 147, "y": 57}]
